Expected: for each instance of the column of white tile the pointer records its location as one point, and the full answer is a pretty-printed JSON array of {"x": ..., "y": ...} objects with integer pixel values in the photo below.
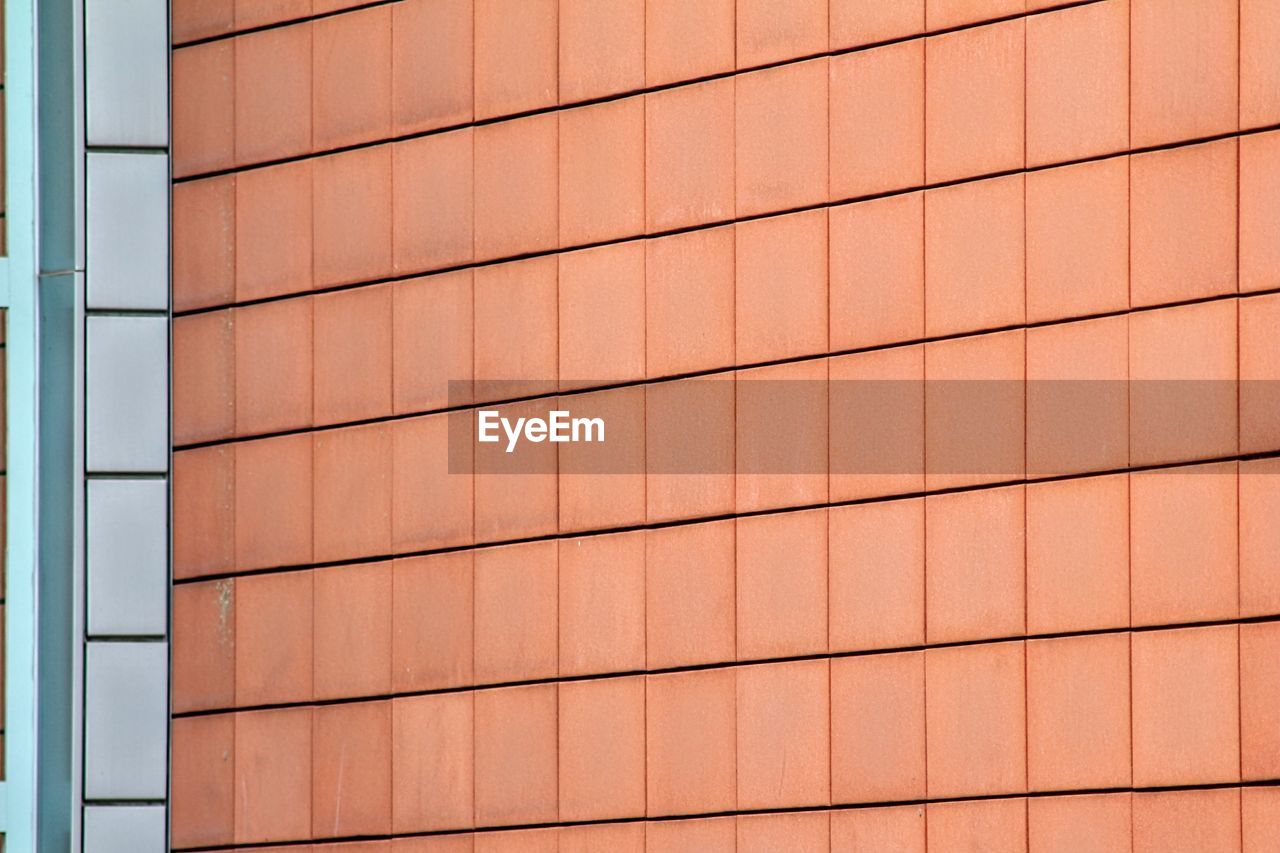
[{"x": 126, "y": 400}]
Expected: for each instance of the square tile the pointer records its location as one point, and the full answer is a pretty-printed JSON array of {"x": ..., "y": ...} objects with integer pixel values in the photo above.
[
  {"x": 942, "y": 14},
  {"x": 781, "y": 135},
  {"x": 689, "y": 594},
  {"x": 856, "y": 22},
  {"x": 273, "y": 513},
  {"x": 351, "y": 788},
  {"x": 274, "y": 638},
  {"x": 876, "y": 581},
  {"x": 202, "y": 783},
  {"x": 352, "y": 355},
  {"x": 782, "y": 462},
  {"x": 1184, "y": 540},
  {"x": 622, "y": 837},
  {"x": 273, "y": 775},
  {"x": 516, "y": 494},
  {"x": 1259, "y": 212},
  {"x": 517, "y": 172},
  {"x": 515, "y": 755},
  {"x": 516, "y": 61},
  {"x": 432, "y": 64},
  {"x": 1098, "y": 822},
  {"x": 877, "y": 272},
  {"x": 1259, "y": 374},
  {"x": 432, "y": 484},
  {"x": 432, "y": 201},
  {"x": 690, "y": 742},
  {"x": 431, "y": 342},
  {"x": 203, "y": 105},
  {"x": 601, "y": 172},
  {"x": 1259, "y": 538},
  {"x": 204, "y": 242},
  {"x": 878, "y": 728},
  {"x": 782, "y": 585},
  {"x": 273, "y": 94},
  {"x": 784, "y": 734},
  {"x": 203, "y": 511},
  {"x": 689, "y": 448},
  {"x": 602, "y": 604},
  {"x": 1186, "y": 693},
  {"x": 1185, "y": 821},
  {"x": 602, "y": 315},
  {"x": 601, "y": 481},
  {"x": 431, "y": 622},
  {"x": 432, "y": 762},
  {"x": 516, "y": 329},
  {"x": 898, "y": 829},
  {"x": 273, "y": 230},
  {"x": 712, "y": 835},
  {"x": 515, "y": 613},
  {"x": 877, "y": 115},
  {"x": 1259, "y": 68},
  {"x": 781, "y": 272},
  {"x": 273, "y": 366},
  {"x": 976, "y": 720},
  {"x": 601, "y": 48},
  {"x": 773, "y": 30},
  {"x": 352, "y": 216},
  {"x": 689, "y": 329},
  {"x": 351, "y": 78},
  {"x": 993, "y": 826},
  {"x": 809, "y": 832},
  {"x": 876, "y": 413},
  {"x": 204, "y": 645},
  {"x": 685, "y": 41},
  {"x": 353, "y": 492},
  {"x": 203, "y": 389},
  {"x": 689, "y": 155},
  {"x": 353, "y": 626},
  {"x": 1259, "y": 695},
  {"x": 1260, "y": 816},
  {"x": 602, "y": 749}
]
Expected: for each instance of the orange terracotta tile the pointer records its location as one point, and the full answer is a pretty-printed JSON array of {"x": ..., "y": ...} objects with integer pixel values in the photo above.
[
  {"x": 1097, "y": 822},
  {"x": 1172, "y": 421},
  {"x": 773, "y": 30},
  {"x": 353, "y": 492},
  {"x": 431, "y": 334},
  {"x": 203, "y": 103},
  {"x": 601, "y": 483},
  {"x": 899, "y": 829},
  {"x": 1078, "y": 713},
  {"x": 975, "y": 564},
  {"x": 602, "y": 604},
  {"x": 856, "y": 22},
  {"x": 602, "y": 746},
  {"x": 1259, "y": 538},
  {"x": 204, "y": 242},
  {"x": 352, "y": 625},
  {"x": 1185, "y": 73},
  {"x": 712, "y": 835},
  {"x": 1259, "y": 374},
  {"x": 1078, "y": 397},
  {"x": 1184, "y": 544},
  {"x": 352, "y": 361},
  {"x": 877, "y": 728},
  {"x": 974, "y": 96},
  {"x": 602, "y": 315},
  {"x": 877, "y": 272},
  {"x": 601, "y": 48},
  {"x": 876, "y": 413},
  {"x": 515, "y": 613},
  {"x": 273, "y": 366},
  {"x": 431, "y": 64},
  {"x": 689, "y": 589},
  {"x": 690, "y": 742},
  {"x": 782, "y": 462},
  {"x": 202, "y": 792},
  {"x": 622, "y": 837},
  {"x": 273, "y": 480},
  {"x": 273, "y": 775},
  {"x": 204, "y": 645},
  {"x": 1259, "y": 701},
  {"x": 351, "y": 761},
  {"x": 974, "y": 256},
  {"x": 273, "y": 94},
  {"x": 351, "y": 78},
  {"x": 781, "y": 287},
  {"x": 601, "y": 171},
  {"x": 1078, "y": 83},
  {"x": 782, "y": 585},
  {"x": 1259, "y": 212},
  {"x": 431, "y": 623},
  {"x": 517, "y": 494},
  {"x": 689, "y": 155},
  {"x": 432, "y": 201},
  {"x": 197, "y": 19},
  {"x": 273, "y": 230},
  {"x": 1260, "y": 816},
  {"x": 781, "y": 134},
  {"x": 783, "y": 733},
  {"x": 976, "y": 720},
  {"x": 1183, "y": 214},
  {"x": 1259, "y": 68},
  {"x": 273, "y": 642},
  {"x": 516, "y": 768},
  {"x": 689, "y": 452},
  {"x": 689, "y": 328},
  {"x": 516, "y": 206},
  {"x": 876, "y": 582},
  {"x": 257, "y": 13},
  {"x": 992, "y": 826},
  {"x": 432, "y": 762},
  {"x": 975, "y": 410},
  {"x": 685, "y": 41},
  {"x": 432, "y": 487},
  {"x": 803, "y": 832},
  {"x": 1077, "y": 224},
  {"x": 203, "y": 377},
  {"x": 353, "y": 216},
  {"x": 519, "y": 841},
  {"x": 203, "y": 511},
  {"x": 1078, "y": 554},
  {"x": 515, "y": 56},
  {"x": 877, "y": 116},
  {"x": 1186, "y": 728},
  {"x": 1186, "y": 821}
]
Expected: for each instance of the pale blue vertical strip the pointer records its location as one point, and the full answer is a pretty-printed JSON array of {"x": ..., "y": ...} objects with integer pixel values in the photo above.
[{"x": 19, "y": 284}]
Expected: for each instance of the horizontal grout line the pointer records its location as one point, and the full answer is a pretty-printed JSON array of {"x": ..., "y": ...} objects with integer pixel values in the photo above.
[
  {"x": 835, "y": 807},
  {"x": 127, "y": 475},
  {"x": 127, "y": 149},
  {"x": 605, "y": 99},
  {"x": 719, "y": 371},
  {"x": 735, "y": 664},
  {"x": 162, "y": 313},
  {"x": 276, "y": 25},
  {"x": 722, "y": 223},
  {"x": 125, "y": 638},
  {"x": 686, "y": 522}
]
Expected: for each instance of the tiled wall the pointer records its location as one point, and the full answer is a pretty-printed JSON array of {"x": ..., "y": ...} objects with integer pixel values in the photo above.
[{"x": 384, "y": 214}]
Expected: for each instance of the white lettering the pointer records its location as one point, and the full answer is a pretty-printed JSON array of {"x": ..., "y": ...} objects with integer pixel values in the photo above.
[
  {"x": 513, "y": 435},
  {"x": 488, "y": 423},
  {"x": 558, "y": 427}
]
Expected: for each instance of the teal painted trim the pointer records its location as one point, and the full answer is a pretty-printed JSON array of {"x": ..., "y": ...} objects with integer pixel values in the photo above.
[{"x": 18, "y": 804}]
